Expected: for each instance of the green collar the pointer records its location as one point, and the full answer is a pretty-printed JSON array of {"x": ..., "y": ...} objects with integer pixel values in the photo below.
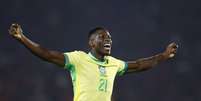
[{"x": 94, "y": 58}]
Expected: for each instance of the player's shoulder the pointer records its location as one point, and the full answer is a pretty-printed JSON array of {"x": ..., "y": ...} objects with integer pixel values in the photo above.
[
  {"x": 80, "y": 52},
  {"x": 75, "y": 56},
  {"x": 77, "y": 53}
]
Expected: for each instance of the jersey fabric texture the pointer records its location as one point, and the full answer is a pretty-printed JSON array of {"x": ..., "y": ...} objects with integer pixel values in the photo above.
[{"x": 93, "y": 79}]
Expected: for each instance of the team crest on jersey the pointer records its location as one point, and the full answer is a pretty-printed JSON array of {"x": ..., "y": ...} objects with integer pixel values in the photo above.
[{"x": 102, "y": 70}]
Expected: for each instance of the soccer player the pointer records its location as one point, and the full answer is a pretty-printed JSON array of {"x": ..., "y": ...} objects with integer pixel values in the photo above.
[{"x": 93, "y": 73}]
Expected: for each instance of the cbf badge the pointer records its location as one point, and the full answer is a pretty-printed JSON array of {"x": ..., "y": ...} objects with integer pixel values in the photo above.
[{"x": 102, "y": 70}]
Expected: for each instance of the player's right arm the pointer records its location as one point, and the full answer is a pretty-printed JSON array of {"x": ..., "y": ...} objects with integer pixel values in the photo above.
[{"x": 48, "y": 55}]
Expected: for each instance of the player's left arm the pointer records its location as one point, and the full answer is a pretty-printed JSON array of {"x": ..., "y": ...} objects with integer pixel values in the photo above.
[{"x": 147, "y": 63}]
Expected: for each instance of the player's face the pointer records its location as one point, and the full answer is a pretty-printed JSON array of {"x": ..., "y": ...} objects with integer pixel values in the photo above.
[{"x": 103, "y": 43}]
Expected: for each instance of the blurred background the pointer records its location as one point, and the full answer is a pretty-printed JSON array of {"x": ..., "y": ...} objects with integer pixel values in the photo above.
[{"x": 139, "y": 28}]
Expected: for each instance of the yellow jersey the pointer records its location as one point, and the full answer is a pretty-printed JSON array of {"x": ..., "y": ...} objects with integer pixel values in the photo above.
[{"x": 93, "y": 79}]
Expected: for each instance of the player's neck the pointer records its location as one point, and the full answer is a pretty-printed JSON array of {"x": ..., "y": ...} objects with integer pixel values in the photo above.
[{"x": 97, "y": 56}]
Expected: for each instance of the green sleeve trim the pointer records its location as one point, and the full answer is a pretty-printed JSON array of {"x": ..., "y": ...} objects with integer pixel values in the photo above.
[
  {"x": 73, "y": 76},
  {"x": 66, "y": 61},
  {"x": 124, "y": 70}
]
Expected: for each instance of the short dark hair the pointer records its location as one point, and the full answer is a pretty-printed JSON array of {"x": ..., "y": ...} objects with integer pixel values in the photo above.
[{"x": 95, "y": 30}]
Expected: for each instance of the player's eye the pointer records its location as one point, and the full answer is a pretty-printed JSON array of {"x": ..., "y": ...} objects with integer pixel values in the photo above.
[{"x": 101, "y": 36}]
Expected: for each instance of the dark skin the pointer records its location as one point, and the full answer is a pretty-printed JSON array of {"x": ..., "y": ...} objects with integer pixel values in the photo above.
[{"x": 100, "y": 45}]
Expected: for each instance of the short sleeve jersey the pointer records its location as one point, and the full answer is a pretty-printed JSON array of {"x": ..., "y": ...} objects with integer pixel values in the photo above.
[{"x": 93, "y": 79}]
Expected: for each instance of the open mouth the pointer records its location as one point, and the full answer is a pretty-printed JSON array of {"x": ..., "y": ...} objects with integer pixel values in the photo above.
[{"x": 107, "y": 46}]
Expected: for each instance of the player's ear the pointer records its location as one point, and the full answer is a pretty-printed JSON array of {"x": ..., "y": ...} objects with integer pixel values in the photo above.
[{"x": 91, "y": 43}]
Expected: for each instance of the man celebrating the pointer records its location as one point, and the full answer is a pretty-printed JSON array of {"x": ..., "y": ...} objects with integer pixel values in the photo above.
[{"x": 93, "y": 73}]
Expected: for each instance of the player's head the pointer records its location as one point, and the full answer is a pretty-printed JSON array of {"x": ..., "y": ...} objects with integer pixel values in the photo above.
[{"x": 100, "y": 41}]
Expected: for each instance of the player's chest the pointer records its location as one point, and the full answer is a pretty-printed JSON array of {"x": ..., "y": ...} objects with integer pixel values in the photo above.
[{"x": 95, "y": 70}]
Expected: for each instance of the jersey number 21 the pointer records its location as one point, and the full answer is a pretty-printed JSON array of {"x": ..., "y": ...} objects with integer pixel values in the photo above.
[{"x": 103, "y": 85}]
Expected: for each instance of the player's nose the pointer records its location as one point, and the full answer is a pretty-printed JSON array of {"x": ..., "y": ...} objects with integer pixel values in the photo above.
[{"x": 108, "y": 41}]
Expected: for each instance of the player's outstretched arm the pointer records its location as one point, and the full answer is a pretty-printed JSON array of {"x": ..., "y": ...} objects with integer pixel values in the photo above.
[
  {"x": 147, "y": 63},
  {"x": 51, "y": 56}
]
